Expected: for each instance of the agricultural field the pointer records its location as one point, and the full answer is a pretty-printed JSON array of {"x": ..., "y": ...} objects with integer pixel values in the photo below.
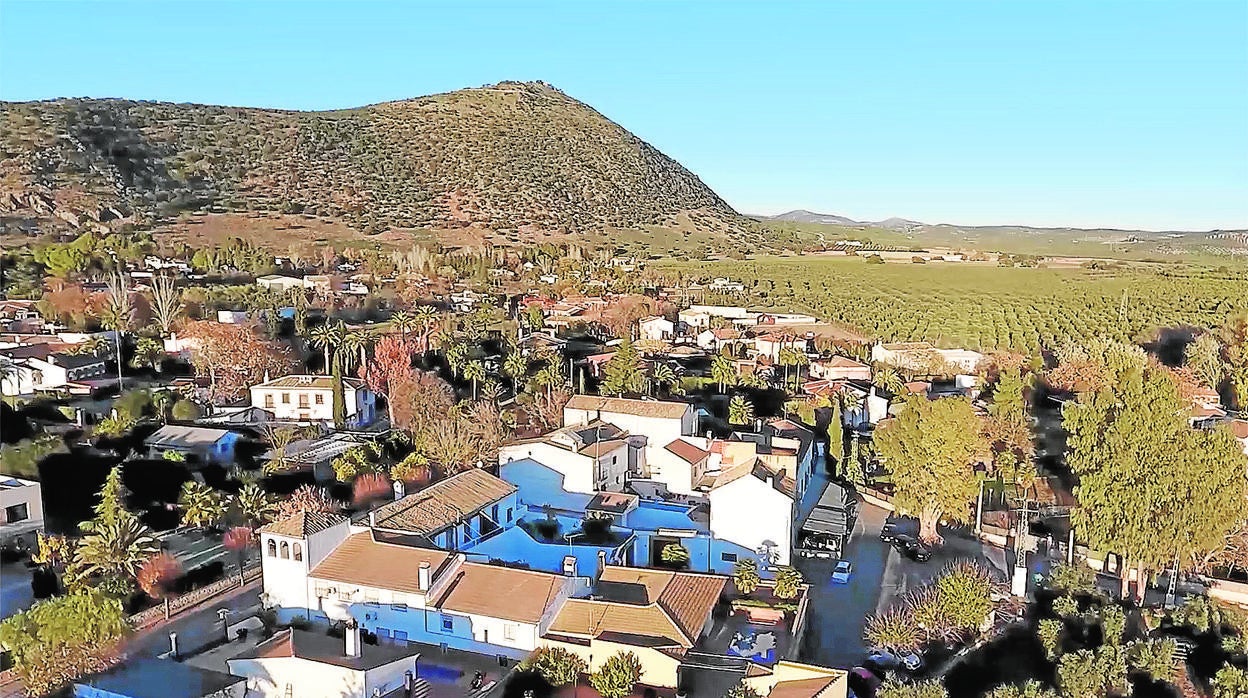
[{"x": 983, "y": 307}]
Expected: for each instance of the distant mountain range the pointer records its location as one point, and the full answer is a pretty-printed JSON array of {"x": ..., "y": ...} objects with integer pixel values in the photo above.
[{"x": 906, "y": 225}]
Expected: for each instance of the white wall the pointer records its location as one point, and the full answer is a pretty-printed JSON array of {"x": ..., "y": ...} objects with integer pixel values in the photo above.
[
  {"x": 495, "y": 631},
  {"x": 577, "y": 470},
  {"x": 672, "y": 471},
  {"x": 270, "y": 677},
  {"x": 292, "y": 411},
  {"x": 286, "y": 581},
  {"x": 30, "y": 494},
  {"x": 388, "y": 677},
  {"x": 748, "y": 512}
]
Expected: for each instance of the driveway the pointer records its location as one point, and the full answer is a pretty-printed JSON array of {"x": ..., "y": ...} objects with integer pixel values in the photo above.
[
  {"x": 16, "y": 594},
  {"x": 838, "y": 613},
  {"x": 198, "y": 627}
]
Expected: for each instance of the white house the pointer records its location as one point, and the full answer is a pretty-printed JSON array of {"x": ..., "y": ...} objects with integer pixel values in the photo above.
[
  {"x": 839, "y": 368},
  {"x": 40, "y": 370},
  {"x": 310, "y": 398},
  {"x": 21, "y": 507},
  {"x": 659, "y": 421},
  {"x": 591, "y": 457},
  {"x": 279, "y": 283},
  {"x": 305, "y": 663},
  {"x": 290, "y": 548},
  {"x": 921, "y": 356},
  {"x": 768, "y": 496},
  {"x": 657, "y": 327}
]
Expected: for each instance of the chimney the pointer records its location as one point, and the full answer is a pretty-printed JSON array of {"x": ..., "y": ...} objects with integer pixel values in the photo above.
[
  {"x": 408, "y": 683},
  {"x": 422, "y": 576},
  {"x": 602, "y": 565},
  {"x": 352, "y": 636},
  {"x": 399, "y": 490},
  {"x": 569, "y": 565}
]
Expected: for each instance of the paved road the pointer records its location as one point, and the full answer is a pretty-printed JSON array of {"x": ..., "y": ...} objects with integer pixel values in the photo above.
[
  {"x": 838, "y": 612},
  {"x": 16, "y": 595},
  {"x": 198, "y": 627}
]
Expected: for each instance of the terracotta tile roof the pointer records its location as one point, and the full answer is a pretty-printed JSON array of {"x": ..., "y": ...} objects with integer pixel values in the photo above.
[
  {"x": 655, "y": 603},
  {"x": 844, "y": 362},
  {"x": 802, "y": 688},
  {"x": 592, "y": 618},
  {"x": 366, "y": 562},
  {"x": 597, "y": 449},
  {"x": 443, "y": 504},
  {"x": 781, "y": 482},
  {"x": 686, "y": 451},
  {"x": 638, "y": 408},
  {"x": 1239, "y": 427},
  {"x": 308, "y": 382},
  {"x": 303, "y": 524},
  {"x": 319, "y": 647},
  {"x": 501, "y": 592}
]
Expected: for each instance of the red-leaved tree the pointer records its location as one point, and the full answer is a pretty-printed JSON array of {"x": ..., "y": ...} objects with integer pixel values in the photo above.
[
  {"x": 390, "y": 364},
  {"x": 237, "y": 540},
  {"x": 157, "y": 575},
  {"x": 234, "y": 357},
  {"x": 369, "y": 487}
]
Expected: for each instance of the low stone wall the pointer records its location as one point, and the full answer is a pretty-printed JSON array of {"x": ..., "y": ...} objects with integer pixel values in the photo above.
[
  {"x": 992, "y": 535},
  {"x": 149, "y": 617},
  {"x": 1228, "y": 591}
]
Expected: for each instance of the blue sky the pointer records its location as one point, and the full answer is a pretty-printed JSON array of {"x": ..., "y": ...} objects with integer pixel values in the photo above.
[{"x": 1092, "y": 113}]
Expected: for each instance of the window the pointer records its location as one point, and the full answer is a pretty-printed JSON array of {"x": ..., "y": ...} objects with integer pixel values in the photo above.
[
  {"x": 448, "y": 624},
  {"x": 272, "y": 548},
  {"x": 268, "y": 400},
  {"x": 509, "y": 631},
  {"x": 494, "y": 513},
  {"x": 372, "y": 597},
  {"x": 285, "y": 398},
  {"x": 285, "y": 550},
  {"x": 298, "y": 552},
  {"x": 320, "y": 398},
  {"x": 508, "y": 514},
  {"x": 303, "y": 400},
  {"x": 728, "y": 557},
  {"x": 17, "y": 512},
  {"x": 400, "y": 607}
]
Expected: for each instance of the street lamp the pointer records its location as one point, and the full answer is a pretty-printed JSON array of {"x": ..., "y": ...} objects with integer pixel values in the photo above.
[
  {"x": 224, "y": 615},
  {"x": 569, "y": 536}
]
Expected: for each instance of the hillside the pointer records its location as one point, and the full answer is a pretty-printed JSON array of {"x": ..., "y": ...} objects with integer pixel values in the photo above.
[{"x": 522, "y": 159}]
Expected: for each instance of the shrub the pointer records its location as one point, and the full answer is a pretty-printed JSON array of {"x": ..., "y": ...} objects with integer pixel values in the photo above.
[
  {"x": 558, "y": 666},
  {"x": 185, "y": 411},
  {"x": 745, "y": 575},
  {"x": 788, "y": 583},
  {"x": 617, "y": 676}
]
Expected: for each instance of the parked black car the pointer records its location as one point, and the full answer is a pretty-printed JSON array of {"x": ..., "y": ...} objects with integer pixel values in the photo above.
[{"x": 910, "y": 547}]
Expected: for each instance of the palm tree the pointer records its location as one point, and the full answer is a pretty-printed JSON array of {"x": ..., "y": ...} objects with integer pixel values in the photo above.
[
  {"x": 785, "y": 357},
  {"x": 800, "y": 361},
  {"x": 663, "y": 376},
  {"x": 889, "y": 379},
  {"x": 118, "y": 313},
  {"x": 256, "y": 506},
  {"x": 425, "y": 317},
  {"x": 202, "y": 506},
  {"x": 328, "y": 336},
  {"x": 162, "y": 402},
  {"x": 474, "y": 371},
  {"x": 115, "y": 549},
  {"x": 723, "y": 371},
  {"x": 403, "y": 321},
  {"x": 456, "y": 356},
  {"x": 740, "y": 411},
  {"x": 356, "y": 343},
  {"x": 515, "y": 366}
]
